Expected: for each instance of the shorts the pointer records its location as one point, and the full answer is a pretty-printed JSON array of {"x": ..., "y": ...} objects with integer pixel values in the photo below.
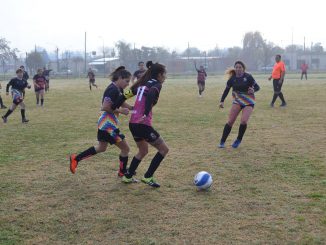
[
  {"x": 143, "y": 132},
  {"x": 39, "y": 90},
  {"x": 92, "y": 80},
  {"x": 201, "y": 83},
  {"x": 17, "y": 97},
  {"x": 277, "y": 86},
  {"x": 113, "y": 138}
]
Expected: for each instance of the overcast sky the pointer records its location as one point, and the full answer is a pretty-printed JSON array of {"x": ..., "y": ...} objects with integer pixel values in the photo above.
[{"x": 205, "y": 24}]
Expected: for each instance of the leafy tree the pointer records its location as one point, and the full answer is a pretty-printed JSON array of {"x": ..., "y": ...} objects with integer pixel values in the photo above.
[
  {"x": 253, "y": 45},
  {"x": 34, "y": 61},
  {"x": 6, "y": 53}
]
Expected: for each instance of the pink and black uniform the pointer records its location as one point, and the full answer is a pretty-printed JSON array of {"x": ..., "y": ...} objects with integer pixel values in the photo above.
[
  {"x": 40, "y": 80},
  {"x": 147, "y": 96},
  {"x": 108, "y": 130},
  {"x": 201, "y": 76},
  {"x": 240, "y": 86}
]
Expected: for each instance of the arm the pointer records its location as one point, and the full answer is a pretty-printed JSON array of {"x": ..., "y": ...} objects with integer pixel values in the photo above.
[
  {"x": 8, "y": 85},
  {"x": 150, "y": 100}
]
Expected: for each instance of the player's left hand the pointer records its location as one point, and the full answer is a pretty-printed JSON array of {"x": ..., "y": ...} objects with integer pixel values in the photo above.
[{"x": 251, "y": 90}]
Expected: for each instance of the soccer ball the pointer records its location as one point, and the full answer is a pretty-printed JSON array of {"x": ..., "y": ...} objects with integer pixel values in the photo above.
[{"x": 203, "y": 180}]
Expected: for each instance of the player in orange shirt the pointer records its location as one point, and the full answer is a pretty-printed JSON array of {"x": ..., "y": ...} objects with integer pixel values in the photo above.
[{"x": 278, "y": 74}]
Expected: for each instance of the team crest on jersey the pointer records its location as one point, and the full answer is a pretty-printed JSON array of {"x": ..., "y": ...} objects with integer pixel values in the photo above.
[{"x": 245, "y": 79}]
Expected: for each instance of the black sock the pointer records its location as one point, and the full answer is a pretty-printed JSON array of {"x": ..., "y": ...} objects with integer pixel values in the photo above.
[
  {"x": 199, "y": 91},
  {"x": 132, "y": 168},
  {"x": 226, "y": 132},
  {"x": 85, "y": 154},
  {"x": 282, "y": 98},
  {"x": 90, "y": 87},
  {"x": 123, "y": 163},
  {"x": 154, "y": 165},
  {"x": 37, "y": 100},
  {"x": 242, "y": 130},
  {"x": 8, "y": 113},
  {"x": 274, "y": 98},
  {"x": 22, "y": 111},
  {"x": 1, "y": 103},
  {"x": 42, "y": 101}
]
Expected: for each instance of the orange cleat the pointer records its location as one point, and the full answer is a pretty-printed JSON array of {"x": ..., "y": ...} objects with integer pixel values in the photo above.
[{"x": 73, "y": 163}]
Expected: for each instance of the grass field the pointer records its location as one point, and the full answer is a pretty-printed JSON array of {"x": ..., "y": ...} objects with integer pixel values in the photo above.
[{"x": 271, "y": 190}]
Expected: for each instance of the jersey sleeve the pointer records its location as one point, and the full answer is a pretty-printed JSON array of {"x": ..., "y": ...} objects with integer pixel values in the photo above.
[{"x": 152, "y": 98}]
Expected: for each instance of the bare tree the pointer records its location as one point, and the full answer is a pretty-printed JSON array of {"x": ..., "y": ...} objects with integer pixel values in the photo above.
[{"x": 6, "y": 53}]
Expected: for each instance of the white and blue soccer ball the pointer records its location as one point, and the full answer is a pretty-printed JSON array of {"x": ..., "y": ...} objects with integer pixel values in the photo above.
[{"x": 203, "y": 180}]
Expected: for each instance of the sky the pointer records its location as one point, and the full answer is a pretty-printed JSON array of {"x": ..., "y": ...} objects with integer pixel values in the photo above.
[{"x": 171, "y": 24}]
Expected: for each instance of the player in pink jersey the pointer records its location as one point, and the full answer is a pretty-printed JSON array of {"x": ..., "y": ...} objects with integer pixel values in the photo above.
[{"x": 147, "y": 90}]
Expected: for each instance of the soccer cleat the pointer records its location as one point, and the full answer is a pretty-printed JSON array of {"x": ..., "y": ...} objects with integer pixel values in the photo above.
[
  {"x": 150, "y": 181},
  {"x": 4, "y": 119},
  {"x": 221, "y": 145},
  {"x": 25, "y": 120},
  {"x": 73, "y": 163},
  {"x": 129, "y": 180},
  {"x": 271, "y": 105},
  {"x": 236, "y": 143},
  {"x": 283, "y": 105}
]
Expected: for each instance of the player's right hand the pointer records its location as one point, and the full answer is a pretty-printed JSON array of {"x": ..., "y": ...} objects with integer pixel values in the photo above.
[{"x": 221, "y": 105}]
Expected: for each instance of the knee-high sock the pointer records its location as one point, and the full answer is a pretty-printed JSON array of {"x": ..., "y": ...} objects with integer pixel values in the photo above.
[
  {"x": 123, "y": 163},
  {"x": 8, "y": 113},
  {"x": 226, "y": 132},
  {"x": 132, "y": 168},
  {"x": 242, "y": 130},
  {"x": 22, "y": 111},
  {"x": 86, "y": 154},
  {"x": 158, "y": 158}
]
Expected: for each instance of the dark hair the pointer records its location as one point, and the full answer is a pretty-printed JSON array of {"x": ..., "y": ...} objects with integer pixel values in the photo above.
[
  {"x": 119, "y": 72},
  {"x": 153, "y": 70},
  {"x": 278, "y": 55},
  {"x": 19, "y": 70},
  {"x": 21, "y": 66},
  {"x": 231, "y": 71},
  {"x": 140, "y": 62}
]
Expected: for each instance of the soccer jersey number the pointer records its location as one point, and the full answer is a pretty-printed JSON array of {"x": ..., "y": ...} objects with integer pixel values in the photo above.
[{"x": 140, "y": 92}]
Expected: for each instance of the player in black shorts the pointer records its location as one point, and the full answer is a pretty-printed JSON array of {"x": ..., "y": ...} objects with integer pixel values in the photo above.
[
  {"x": 46, "y": 74},
  {"x": 243, "y": 88},
  {"x": 17, "y": 84},
  {"x": 138, "y": 74},
  {"x": 91, "y": 76},
  {"x": 201, "y": 78},
  {"x": 148, "y": 89},
  {"x": 25, "y": 77},
  {"x": 108, "y": 131}
]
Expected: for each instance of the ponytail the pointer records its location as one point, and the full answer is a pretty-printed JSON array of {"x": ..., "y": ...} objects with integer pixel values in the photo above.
[
  {"x": 153, "y": 70},
  {"x": 119, "y": 72}
]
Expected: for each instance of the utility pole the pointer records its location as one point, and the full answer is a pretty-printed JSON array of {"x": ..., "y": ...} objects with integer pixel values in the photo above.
[
  {"x": 57, "y": 56},
  {"x": 85, "y": 54}
]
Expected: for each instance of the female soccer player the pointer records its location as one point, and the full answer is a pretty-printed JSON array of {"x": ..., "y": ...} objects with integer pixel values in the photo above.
[
  {"x": 18, "y": 84},
  {"x": 243, "y": 88},
  {"x": 201, "y": 77},
  {"x": 91, "y": 76},
  {"x": 39, "y": 81},
  {"x": 108, "y": 131},
  {"x": 148, "y": 90}
]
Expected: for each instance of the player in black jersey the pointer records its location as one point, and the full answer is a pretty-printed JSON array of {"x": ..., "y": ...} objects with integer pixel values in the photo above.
[
  {"x": 139, "y": 73},
  {"x": 243, "y": 88},
  {"x": 25, "y": 77},
  {"x": 91, "y": 77},
  {"x": 46, "y": 74},
  {"x": 18, "y": 84},
  {"x": 108, "y": 131}
]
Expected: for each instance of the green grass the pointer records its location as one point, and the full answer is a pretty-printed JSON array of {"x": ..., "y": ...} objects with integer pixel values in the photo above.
[{"x": 271, "y": 190}]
